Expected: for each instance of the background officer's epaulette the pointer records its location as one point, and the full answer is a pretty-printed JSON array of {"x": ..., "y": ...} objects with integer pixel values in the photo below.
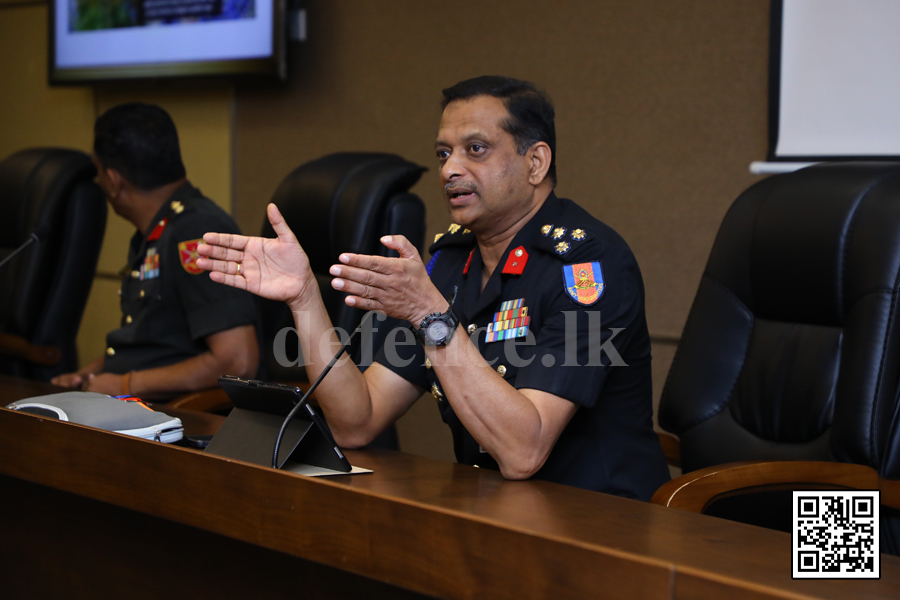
[
  {"x": 455, "y": 236},
  {"x": 180, "y": 207},
  {"x": 176, "y": 208},
  {"x": 564, "y": 241}
]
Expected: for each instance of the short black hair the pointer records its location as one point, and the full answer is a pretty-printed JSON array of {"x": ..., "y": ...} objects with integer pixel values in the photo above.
[
  {"x": 140, "y": 142},
  {"x": 531, "y": 114}
]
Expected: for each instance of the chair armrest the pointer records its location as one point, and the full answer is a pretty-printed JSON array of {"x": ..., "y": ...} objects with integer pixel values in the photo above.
[
  {"x": 671, "y": 446},
  {"x": 696, "y": 490},
  {"x": 18, "y": 347}
]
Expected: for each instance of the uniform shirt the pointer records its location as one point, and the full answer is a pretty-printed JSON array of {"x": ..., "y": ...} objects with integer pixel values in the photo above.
[
  {"x": 169, "y": 305},
  {"x": 563, "y": 307}
]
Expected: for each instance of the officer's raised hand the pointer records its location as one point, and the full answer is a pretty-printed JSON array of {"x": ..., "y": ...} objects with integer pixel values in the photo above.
[
  {"x": 399, "y": 287},
  {"x": 277, "y": 269}
]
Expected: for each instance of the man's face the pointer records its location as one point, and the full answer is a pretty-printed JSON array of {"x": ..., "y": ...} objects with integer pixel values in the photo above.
[{"x": 485, "y": 180}]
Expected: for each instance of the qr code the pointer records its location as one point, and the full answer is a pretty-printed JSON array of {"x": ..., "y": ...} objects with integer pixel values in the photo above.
[{"x": 835, "y": 535}]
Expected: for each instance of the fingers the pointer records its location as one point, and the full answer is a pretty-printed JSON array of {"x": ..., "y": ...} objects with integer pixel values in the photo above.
[
  {"x": 69, "y": 380},
  {"x": 364, "y": 276},
  {"x": 402, "y": 246},
  {"x": 87, "y": 381},
  {"x": 356, "y": 289},
  {"x": 235, "y": 281},
  {"x": 281, "y": 228},
  {"x": 220, "y": 252},
  {"x": 363, "y": 303},
  {"x": 229, "y": 267},
  {"x": 225, "y": 240},
  {"x": 367, "y": 262}
]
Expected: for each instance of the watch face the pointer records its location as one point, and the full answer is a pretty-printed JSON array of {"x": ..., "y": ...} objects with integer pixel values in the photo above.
[{"x": 438, "y": 331}]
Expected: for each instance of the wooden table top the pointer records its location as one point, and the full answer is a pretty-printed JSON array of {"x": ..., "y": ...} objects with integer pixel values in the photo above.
[{"x": 430, "y": 526}]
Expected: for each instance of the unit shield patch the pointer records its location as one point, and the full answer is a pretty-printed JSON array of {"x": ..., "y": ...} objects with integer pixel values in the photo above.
[
  {"x": 187, "y": 251},
  {"x": 584, "y": 282}
]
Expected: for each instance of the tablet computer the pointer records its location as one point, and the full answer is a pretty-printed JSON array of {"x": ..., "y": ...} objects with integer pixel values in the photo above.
[{"x": 259, "y": 411}]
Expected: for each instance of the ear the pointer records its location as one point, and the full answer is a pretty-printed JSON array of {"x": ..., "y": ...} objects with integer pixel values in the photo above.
[
  {"x": 116, "y": 181},
  {"x": 539, "y": 156}
]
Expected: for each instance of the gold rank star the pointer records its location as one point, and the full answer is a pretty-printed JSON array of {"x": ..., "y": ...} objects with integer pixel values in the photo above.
[
  {"x": 177, "y": 207},
  {"x": 578, "y": 234},
  {"x": 562, "y": 247},
  {"x": 453, "y": 228},
  {"x": 559, "y": 232},
  {"x": 546, "y": 229}
]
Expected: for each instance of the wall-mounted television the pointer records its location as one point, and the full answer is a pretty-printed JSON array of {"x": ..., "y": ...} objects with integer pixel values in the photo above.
[
  {"x": 102, "y": 40},
  {"x": 833, "y": 87}
]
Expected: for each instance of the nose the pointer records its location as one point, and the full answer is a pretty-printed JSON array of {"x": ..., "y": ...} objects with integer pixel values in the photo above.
[{"x": 452, "y": 168}]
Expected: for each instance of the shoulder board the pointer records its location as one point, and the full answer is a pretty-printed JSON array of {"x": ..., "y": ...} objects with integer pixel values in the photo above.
[
  {"x": 564, "y": 240},
  {"x": 179, "y": 207},
  {"x": 455, "y": 236}
]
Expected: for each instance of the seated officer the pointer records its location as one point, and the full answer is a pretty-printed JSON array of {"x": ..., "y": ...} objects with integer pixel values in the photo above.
[
  {"x": 507, "y": 313},
  {"x": 179, "y": 330}
]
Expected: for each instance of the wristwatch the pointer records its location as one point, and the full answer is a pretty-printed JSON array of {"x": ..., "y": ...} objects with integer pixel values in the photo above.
[{"x": 437, "y": 329}]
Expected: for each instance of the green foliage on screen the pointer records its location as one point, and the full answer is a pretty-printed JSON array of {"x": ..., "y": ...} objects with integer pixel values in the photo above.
[{"x": 104, "y": 14}]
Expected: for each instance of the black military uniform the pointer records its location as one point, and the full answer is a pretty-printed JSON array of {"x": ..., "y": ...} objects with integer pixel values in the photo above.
[
  {"x": 565, "y": 271},
  {"x": 169, "y": 305}
]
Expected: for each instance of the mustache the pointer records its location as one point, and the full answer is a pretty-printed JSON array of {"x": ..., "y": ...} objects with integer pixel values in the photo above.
[{"x": 462, "y": 185}]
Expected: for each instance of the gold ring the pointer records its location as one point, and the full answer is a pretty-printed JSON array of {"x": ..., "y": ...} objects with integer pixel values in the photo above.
[{"x": 239, "y": 269}]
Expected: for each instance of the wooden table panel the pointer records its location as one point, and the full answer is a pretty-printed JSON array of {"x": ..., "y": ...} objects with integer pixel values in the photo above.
[{"x": 427, "y": 526}]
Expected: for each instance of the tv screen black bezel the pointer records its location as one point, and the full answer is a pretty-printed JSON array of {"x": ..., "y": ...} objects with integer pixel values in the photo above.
[{"x": 272, "y": 67}]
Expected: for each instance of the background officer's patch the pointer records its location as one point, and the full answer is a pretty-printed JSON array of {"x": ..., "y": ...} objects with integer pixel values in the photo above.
[
  {"x": 187, "y": 251},
  {"x": 584, "y": 282}
]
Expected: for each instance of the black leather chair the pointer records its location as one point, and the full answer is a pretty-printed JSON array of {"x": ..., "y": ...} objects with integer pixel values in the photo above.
[
  {"x": 43, "y": 290},
  {"x": 791, "y": 350},
  {"x": 342, "y": 202}
]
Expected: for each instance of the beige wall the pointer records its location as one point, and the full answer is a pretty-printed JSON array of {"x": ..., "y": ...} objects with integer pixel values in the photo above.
[{"x": 34, "y": 114}]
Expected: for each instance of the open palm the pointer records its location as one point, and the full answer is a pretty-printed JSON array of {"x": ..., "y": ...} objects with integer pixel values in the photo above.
[{"x": 277, "y": 269}]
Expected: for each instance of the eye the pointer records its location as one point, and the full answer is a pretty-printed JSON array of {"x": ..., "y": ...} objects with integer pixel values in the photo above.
[
  {"x": 476, "y": 149},
  {"x": 443, "y": 155}
]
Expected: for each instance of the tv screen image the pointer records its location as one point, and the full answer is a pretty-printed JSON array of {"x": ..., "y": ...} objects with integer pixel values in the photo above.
[
  {"x": 95, "y": 40},
  {"x": 92, "y": 15}
]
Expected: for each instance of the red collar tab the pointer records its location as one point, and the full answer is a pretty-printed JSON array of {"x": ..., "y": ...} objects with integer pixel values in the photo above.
[
  {"x": 468, "y": 262},
  {"x": 157, "y": 231},
  {"x": 515, "y": 262}
]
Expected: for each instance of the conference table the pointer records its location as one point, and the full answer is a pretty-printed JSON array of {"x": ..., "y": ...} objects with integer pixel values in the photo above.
[{"x": 86, "y": 513}]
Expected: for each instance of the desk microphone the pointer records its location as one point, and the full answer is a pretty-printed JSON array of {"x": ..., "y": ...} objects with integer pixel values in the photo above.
[
  {"x": 37, "y": 235},
  {"x": 315, "y": 384}
]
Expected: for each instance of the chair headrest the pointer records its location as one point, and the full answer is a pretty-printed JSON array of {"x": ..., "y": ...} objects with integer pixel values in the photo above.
[
  {"x": 35, "y": 182},
  {"x": 331, "y": 203},
  {"x": 803, "y": 247}
]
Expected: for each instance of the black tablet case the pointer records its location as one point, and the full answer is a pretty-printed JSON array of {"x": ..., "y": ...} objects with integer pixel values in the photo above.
[{"x": 250, "y": 430}]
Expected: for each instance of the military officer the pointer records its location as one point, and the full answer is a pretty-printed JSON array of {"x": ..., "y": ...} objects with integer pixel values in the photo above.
[
  {"x": 506, "y": 316},
  {"x": 179, "y": 331}
]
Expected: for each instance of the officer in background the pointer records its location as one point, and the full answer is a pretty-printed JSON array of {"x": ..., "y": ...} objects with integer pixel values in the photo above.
[
  {"x": 179, "y": 330},
  {"x": 507, "y": 314}
]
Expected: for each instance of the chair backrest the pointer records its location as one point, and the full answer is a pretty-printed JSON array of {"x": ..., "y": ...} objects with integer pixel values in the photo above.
[
  {"x": 792, "y": 346},
  {"x": 342, "y": 202},
  {"x": 43, "y": 290}
]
